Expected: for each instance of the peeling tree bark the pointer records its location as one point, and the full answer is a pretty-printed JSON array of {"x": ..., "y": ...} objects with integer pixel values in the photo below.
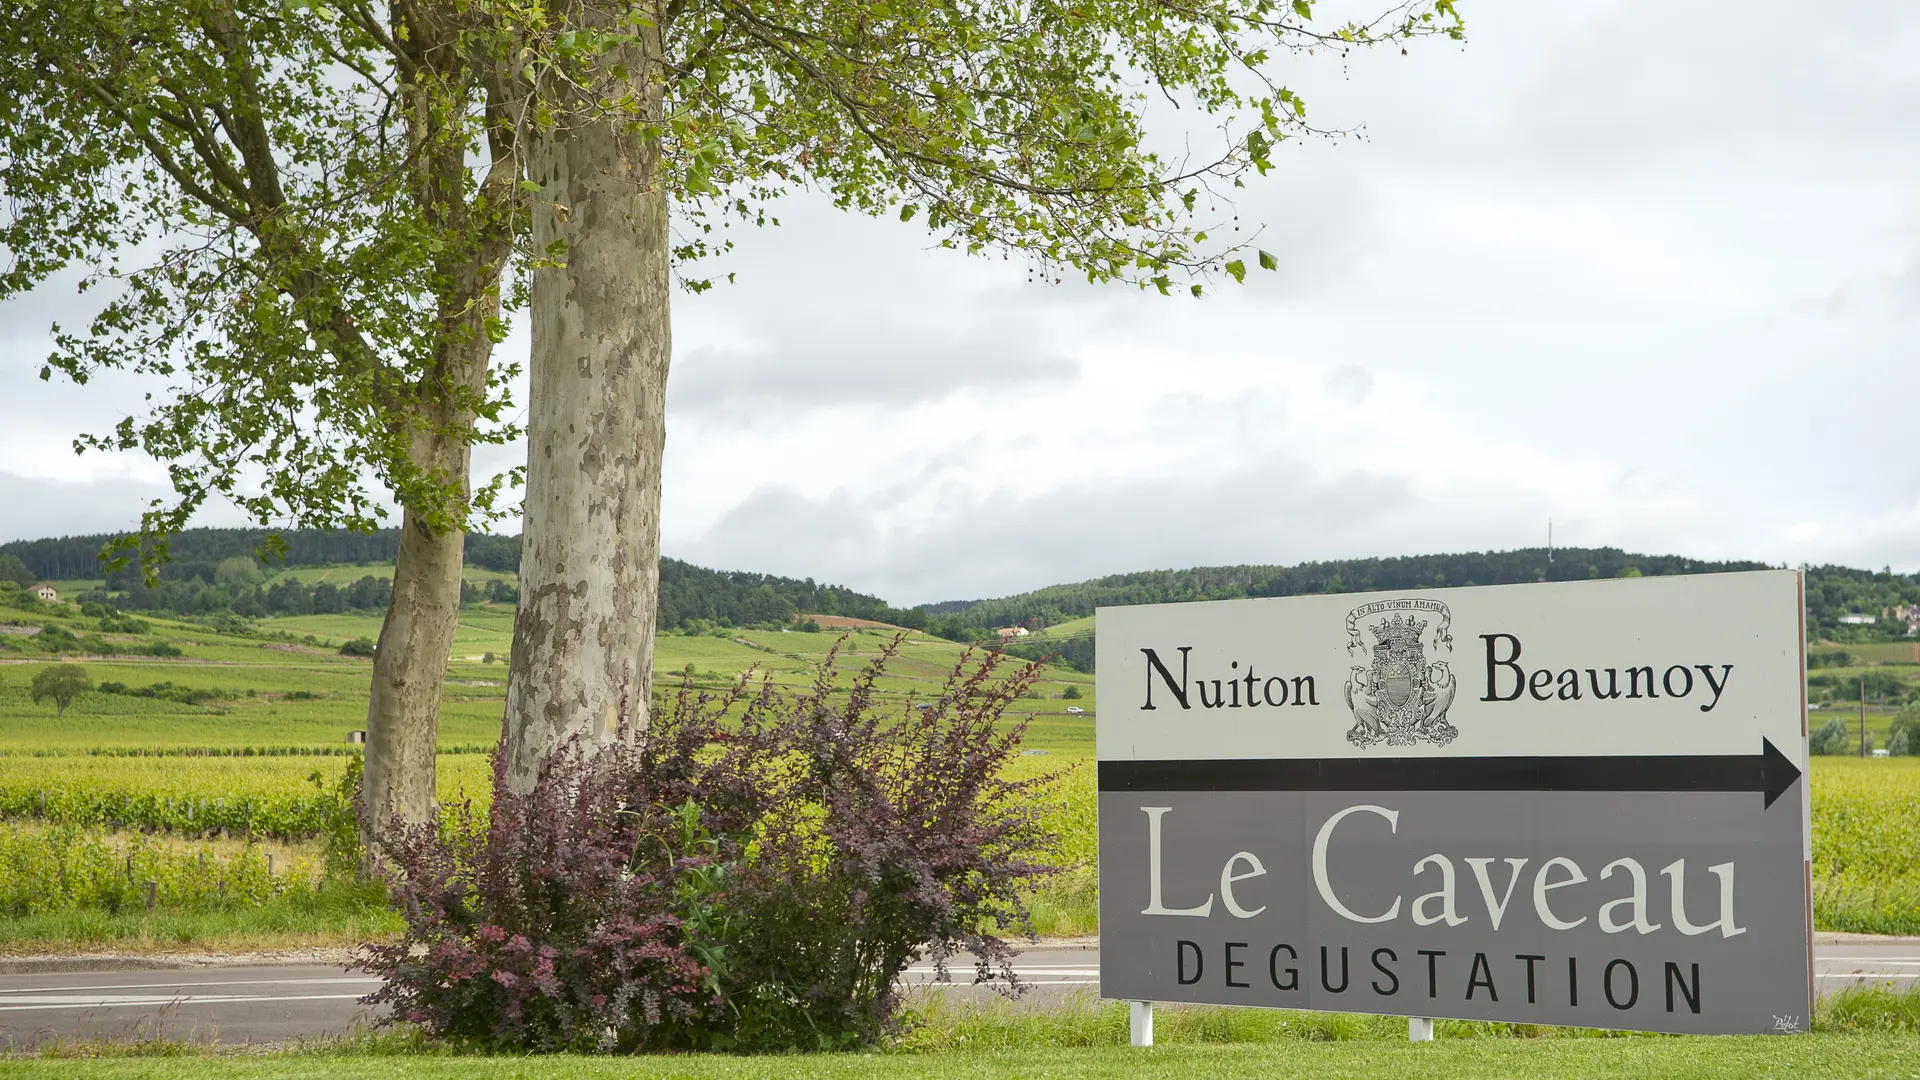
[
  {"x": 416, "y": 640},
  {"x": 409, "y": 669},
  {"x": 582, "y": 662}
]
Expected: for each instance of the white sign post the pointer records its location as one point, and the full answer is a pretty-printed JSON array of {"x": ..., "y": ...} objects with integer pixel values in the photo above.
[{"x": 1568, "y": 803}]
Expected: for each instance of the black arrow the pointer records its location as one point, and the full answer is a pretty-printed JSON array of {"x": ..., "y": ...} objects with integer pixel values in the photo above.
[{"x": 1769, "y": 772}]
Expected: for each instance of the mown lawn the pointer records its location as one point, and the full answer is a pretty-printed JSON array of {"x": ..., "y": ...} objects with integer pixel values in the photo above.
[{"x": 1853, "y": 1056}]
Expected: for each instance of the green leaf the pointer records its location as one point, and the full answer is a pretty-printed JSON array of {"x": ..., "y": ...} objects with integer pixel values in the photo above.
[
  {"x": 907, "y": 212},
  {"x": 1268, "y": 262},
  {"x": 1237, "y": 270}
]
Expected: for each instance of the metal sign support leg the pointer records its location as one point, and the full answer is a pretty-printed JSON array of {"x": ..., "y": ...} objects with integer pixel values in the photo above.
[
  {"x": 1140, "y": 1023},
  {"x": 1419, "y": 1029}
]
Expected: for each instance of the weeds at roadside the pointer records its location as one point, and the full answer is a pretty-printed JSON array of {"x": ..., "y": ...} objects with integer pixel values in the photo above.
[{"x": 938, "y": 1025}]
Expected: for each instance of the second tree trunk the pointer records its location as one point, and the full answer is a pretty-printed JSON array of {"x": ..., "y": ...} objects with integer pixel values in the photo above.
[{"x": 596, "y": 430}]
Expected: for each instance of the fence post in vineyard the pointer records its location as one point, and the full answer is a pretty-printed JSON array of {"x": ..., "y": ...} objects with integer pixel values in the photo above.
[{"x": 153, "y": 887}]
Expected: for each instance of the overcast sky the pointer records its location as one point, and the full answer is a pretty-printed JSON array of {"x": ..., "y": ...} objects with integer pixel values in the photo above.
[{"x": 1653, "y": 273}]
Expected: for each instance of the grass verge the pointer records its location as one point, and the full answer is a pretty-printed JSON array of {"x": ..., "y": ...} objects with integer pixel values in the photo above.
[
  {"x": 1862, "y": 1032},
  {"x": 1853, "y": 1056},
  {"x": 329, "y": 916}
]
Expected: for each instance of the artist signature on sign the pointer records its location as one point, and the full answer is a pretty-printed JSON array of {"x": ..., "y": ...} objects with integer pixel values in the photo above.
[{"x": 1786, "y": 1023}]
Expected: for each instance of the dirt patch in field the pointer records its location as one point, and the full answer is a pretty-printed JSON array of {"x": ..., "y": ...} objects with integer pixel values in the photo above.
[
  {"x": 303, "y": 650},
  {"x": 844, "y": 622}
]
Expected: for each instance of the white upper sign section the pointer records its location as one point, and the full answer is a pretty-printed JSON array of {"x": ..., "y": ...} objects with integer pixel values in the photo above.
[{"x": 1706, "y": 664}]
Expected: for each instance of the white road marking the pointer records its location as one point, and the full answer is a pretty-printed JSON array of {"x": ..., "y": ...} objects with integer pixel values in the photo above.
[
  {"x": 161, "y": 985},
  {"x": 1026, "y": 981},
  {"x": 130, "y": 1001},
  {"x": 160, "y": 995},
  {"x": 1023, "y": 972}
]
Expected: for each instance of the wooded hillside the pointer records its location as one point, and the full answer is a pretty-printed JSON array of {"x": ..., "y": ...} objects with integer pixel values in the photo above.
[
  {"x": 1832, "y": 591},
  {"x": 193, "y": 583}
]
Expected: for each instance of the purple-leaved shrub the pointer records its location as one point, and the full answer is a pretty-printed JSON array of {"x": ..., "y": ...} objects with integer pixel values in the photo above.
[{"x": 755, "y": 871}]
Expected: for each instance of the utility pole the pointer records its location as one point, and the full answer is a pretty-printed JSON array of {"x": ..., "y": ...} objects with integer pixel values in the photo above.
[
  {"x": 1863, "y": 716},
  {"x": 1549, "y": 541}
]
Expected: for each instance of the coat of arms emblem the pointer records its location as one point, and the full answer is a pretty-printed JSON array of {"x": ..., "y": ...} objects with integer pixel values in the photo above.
[{"x": 1401, "y": 698}]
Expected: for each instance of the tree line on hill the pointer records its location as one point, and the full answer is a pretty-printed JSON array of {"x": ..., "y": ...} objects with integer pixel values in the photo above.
[
  {"x": 222, "y": 570},
  {"x": 285, "y": 596},
  {"x": 197, "y": 553},
  {"x": 1832, "y": 591},
  {"x": 226, "y": 570},
  {"x": 1058, "y": 603}
]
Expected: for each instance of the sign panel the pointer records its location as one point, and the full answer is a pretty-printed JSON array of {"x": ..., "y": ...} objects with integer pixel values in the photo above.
[{"x": 1563, "y": 803}]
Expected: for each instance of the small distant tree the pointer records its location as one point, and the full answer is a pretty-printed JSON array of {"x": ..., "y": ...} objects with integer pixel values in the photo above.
[
  {"x": 359, "y": 646},
  {"x": 62, "y": 683},
  {"x": 1903, "y": 734},
  {"x": 12, "y": 569},
  {"x": 811, "y": 626},
  {"x": 1072, "y": 693},
  {"x": 240, "y": 570},
  {"x": 1830, "y": 738},
  {"x": 487, "y": 658}
]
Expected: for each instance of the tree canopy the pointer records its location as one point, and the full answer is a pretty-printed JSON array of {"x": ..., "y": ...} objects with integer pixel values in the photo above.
[
  {"x": 61, "y": 682},
  {"x": 265, "y": 210}
]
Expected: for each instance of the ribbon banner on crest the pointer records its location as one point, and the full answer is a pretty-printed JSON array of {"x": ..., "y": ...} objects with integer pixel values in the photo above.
[{"x": 1442, "y": 636}]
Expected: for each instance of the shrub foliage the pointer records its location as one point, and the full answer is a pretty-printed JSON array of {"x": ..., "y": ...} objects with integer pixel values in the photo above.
[{"x": 755, "y": 872}]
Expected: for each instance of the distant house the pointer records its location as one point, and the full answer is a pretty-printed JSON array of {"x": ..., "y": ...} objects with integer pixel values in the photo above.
[
  {"x": 1008, "y": 633},
  {"x": 45, "y": 592},
  {"x": 1857, "y": 619},
  {"x": 1908, "y": 614}
]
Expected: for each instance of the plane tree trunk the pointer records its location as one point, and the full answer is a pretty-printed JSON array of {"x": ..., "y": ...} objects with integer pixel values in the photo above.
[
  {"x": 416, "y": 640},
  {"x": 410, "y": 663},
  {"x": 582, "y": 660}
]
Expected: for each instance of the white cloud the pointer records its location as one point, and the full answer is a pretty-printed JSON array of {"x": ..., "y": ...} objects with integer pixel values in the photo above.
[
  {"x": 37, "y": 508},
  {"x": 804, "y": 366},
  {"x": 1654, "y": 281}
]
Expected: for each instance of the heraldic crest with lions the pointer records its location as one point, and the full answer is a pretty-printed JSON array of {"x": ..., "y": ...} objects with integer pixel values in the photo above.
[{"x": 1401, "y": 698}]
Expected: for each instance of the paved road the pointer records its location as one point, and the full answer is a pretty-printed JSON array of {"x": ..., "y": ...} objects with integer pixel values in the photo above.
[{"x": 275, "y": 1004}]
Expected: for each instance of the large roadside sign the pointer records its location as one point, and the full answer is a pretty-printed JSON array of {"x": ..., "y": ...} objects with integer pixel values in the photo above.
[{"x": 1572, "y": 803}]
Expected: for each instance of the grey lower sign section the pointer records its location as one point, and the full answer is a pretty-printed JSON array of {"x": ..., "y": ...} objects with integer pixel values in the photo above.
[{"x": 1648, "y": 910}]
